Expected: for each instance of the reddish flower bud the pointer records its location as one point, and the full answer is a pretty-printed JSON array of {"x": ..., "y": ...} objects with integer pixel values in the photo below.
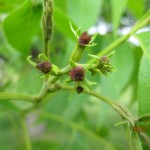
[
  {"x": 79, "y": 89},
  {"x": 77, "y": 74},
  {"x": 84, "y": 39},
  {"x": 45, "y": 67}
]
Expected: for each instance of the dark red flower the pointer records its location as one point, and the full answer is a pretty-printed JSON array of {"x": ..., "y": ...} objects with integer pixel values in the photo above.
[
  {"x": 45, "y": 67},
  {"x": 77, "y": 74},
  {"x": 84, "y": 39}
]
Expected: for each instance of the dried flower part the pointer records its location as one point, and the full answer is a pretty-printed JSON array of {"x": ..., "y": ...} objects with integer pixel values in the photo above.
[
  {"x": 104, "y": 60},
  {"x": 104, "y": 65},
  {"x": 77, "y": 74},
  {"x": 84, "y": 39},
  {"x": 45, "y": 67},
  {"x": 79, "y": 89}
]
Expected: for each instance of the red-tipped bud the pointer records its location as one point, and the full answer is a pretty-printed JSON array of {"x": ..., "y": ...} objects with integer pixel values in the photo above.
[
  {"x": 77, "y": 74},
  {"x": 45, "y": 67},
  {"x": 84, "y": 39}
]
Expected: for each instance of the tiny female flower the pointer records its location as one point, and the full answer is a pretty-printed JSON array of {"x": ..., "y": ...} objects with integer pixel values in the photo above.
[
  {"x": 102, "y": 65},
  {"x": 77, "y": 73},
  {"x": 84, "y": 39},
  {"x": 45, "y": 67},
  {"x": 105, "y": 65},
  {"x": 79, "y": 89}
]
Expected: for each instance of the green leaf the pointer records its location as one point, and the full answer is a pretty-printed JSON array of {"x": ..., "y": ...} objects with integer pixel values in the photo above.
[
  {"x": 74, "y": 106},
  {"x": 144, "y": 118},
  {"x": 138, "y": 9},
  {"x": 136, "y": 142},
  {"x": 46, "y": 145},
  {"x": 22, "y": 25},
  {"x": 61, "y": 5},
  {"x": 132, "y": 138},
  {"x": 118, "y": 7},
  {"x": 24, "y": 85},
  {"x": 84, "y": 12},
  {"x": 9, "y": 5},
  {"x": 58, "y": 100},
  {"x": 78, "y": 141},
  {"x": 144, "y": 78},
  {"x": 128, "y": 134},
  {"x": 62, "y": 23},
  {"x": 9, "y": 105}
]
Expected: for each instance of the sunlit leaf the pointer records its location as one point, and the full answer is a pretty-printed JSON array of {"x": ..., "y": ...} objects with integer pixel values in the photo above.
[
  {"x": 118, "y": 7},
  {"x": 136, "y": 7},
  {"x": 22, "y": 25},
  {"x": 84, "y": 12},
  {"x": 62, "y": 23},
  {"x": 144, "y": 71},
  {"x": 9, "y": 5}
]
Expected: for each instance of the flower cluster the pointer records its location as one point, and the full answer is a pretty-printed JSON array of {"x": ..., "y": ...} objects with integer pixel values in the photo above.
[
  {"x": 104, "y": 65},
  {"x": 77, "y": 73}
]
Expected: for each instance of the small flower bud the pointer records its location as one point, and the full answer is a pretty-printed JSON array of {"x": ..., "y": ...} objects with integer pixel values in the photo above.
[
  {"x": 77, "y": 74},
  {"x": 84, "y": 39},
  {"x": 104, "y": 65},
  {"x": 45, "y": 67},
  {"x": 79, "y": 89},
  {"x": 104, "y": 60}
]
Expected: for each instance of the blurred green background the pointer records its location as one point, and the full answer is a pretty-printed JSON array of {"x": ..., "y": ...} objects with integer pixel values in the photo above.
[{"x": 67, "y": 121}]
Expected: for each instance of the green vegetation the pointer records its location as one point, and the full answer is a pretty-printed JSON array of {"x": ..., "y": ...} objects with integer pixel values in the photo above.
[{"x": 66, "y": 83}]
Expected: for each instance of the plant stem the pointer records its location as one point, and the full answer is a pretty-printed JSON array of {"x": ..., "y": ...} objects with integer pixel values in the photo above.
[
  {"x": 42, "y": 92},
  {"x": 16, "y": 96},
  {"x": 46, "y": 49},
  {"x": 118, "y": 108},
  {"x": 118, "y": 42},
  {"x": 99, "y": 96},
  {"x": 26, "y": 135},
  {"x": 63, "y": 71},
  {"x": 146, "y": 138},
  {"x": 115, "y": 106}
]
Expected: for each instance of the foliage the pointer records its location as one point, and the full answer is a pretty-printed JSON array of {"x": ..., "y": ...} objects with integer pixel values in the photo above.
[{"x": 45, "y": 111}]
